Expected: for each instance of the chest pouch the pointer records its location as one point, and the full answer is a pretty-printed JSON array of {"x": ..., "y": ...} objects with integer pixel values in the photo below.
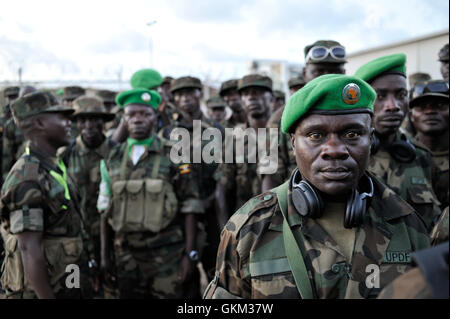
[{"x": 143, "y": 205}]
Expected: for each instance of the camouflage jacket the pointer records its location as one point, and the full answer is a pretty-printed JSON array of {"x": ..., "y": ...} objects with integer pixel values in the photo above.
[
  {"x": 412, "y": 181},
  {"x": 439, "y": 234},
  {"x": 286, "y": 156},
  {"x": 12, "y": 144},
  {"x": 83, "y": 165},
  {"x": 33, "y": 200},
  {"x": 252, "y": 262},
  {"x": 240, "y": 178},
  {"x": 179, "y": 176},
  {"x": 203, "y": 171}
]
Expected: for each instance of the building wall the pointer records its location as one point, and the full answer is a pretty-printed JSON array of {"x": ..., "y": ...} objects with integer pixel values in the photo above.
[{"x": 422, "y": 54}]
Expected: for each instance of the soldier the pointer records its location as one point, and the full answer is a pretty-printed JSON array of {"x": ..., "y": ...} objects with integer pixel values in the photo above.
[
  {"x": 418, "y": 77},
  {"x": 187, "y": 93},
  {"x": 151, "y": 205},
  {"x": 70, "y": 93},
  {"x": 429, "y": 115},
  {"x": 216, "y": 109},
  {"x": 148, "y": 79},
  {"x": 109, "y": 102},
  {"x": 402, "y": 166},
  {"x": 83, "y": 158},
  {"x": 108, "y": 97},
  {"x": 443, "y": 58},
  {"x": 230, "y": 94},
  {"x": 238, "y": 182},
  {"x": 167, "y": 107},
  {"x": 322, "y": 57},
  {"x": 279, "y": 99},
  {"x": 428, "y": 280},
  {"x": 11, "y": 93},
  {"x": 316, "y": 235},
  {"x": 39, "y": 206},
  {"x": 295, "y": 84}
]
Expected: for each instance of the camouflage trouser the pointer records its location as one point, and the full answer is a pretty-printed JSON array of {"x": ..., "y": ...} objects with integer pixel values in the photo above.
[{"x": 149, "y": 272}]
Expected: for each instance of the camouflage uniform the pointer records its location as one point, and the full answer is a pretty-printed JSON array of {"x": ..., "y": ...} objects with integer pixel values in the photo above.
[
  {"x": 439, "y": 234},
  {"x": 412, "y": 181},
  {"x": 33, "y": 200},
  {"x": 224, "y": 88},
  {"x": 147, "y": 262},
  {"x": 71, "y": 93},
  {"x": 252, "y": 262}
]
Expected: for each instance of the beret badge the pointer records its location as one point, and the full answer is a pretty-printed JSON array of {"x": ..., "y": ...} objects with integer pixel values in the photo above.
[{"x": 351, "y": 94}]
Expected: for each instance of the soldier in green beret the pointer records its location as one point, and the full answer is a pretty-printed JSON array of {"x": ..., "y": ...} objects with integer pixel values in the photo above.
[
  {"x": 187, "y": 92},
  {"x": 238, "y": 182},
  {"x": 83, "y": 158},
  {"x": 322, "y": 233},
  {"x": 405, "y": 168},
  {"x": 216, "y": 109},
  {"x": 443, "y": 58},
  {"x": 230, "y": 94},
  {"x": 321, "y": 57},
  {"x": 429, "y": 115},
  {"x": 40, "y": 208},
  {"x": 150, "y": 204}
]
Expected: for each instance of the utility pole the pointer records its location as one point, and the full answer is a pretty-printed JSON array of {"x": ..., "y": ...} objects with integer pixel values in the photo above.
[{"x": 149, "y": 24}]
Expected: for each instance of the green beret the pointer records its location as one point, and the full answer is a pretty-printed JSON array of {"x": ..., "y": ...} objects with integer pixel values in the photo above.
[
  {"x": 185, "y": 82},
  {"x": 255, "y": 80},
  {"x": 139, "y": 96},
  {"x": 37, "y": 103},
  {"x": 215, "y": 101},
  {"x": 228, "y": 85},
  {"x": 91, "y": 106},
  {"x": 443, "y": 53},
  {"x": 146, "y": 79},
  {"x": 328, "y": 94},
  {"x": 11, "y": 90},
  {"x": 72, "y": 92},
  {"x": 394, "y": 63}
]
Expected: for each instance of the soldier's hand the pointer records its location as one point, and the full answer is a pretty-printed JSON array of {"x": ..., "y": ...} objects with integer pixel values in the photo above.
[{"x": 186, "y": 269}]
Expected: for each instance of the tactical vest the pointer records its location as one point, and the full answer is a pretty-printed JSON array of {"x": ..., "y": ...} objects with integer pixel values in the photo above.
[{"x": 139, "y": 205}]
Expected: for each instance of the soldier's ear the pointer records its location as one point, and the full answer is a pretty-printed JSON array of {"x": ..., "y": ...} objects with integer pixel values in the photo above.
[{"x": 292, "y": 138}]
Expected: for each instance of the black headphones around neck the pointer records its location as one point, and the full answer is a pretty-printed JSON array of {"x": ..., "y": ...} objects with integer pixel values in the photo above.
[
  {"x": 402, "y": 150},
  {"x": 308, "y": 202}
]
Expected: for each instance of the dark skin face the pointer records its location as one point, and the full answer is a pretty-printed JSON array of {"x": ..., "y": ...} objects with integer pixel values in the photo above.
[
  {"x": 217, "y": 114},
  {"x": 255, "y": 101},
  {"x": 444, "y": 70},
  {"x": 314, "y": 70},
  {"x": 430, "y": 116},
  {"x": 139, "y": 120},
  {"x": 332, "y": 151},
  {"x": 188, "y": 100},
  {"x": 52, "y": 131},
  {"x": 277, "y": 103},
  {"x": 391, "y": 104},
  {"x": 233, "y": 100},
  {"x": 91, "y": 130}
]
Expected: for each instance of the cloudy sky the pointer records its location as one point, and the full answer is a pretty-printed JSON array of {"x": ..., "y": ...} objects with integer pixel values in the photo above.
[{"x": 96, "y": 39}]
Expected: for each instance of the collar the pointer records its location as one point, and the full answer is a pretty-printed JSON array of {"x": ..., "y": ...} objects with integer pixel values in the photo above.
[{"x": 101, "y": 150}]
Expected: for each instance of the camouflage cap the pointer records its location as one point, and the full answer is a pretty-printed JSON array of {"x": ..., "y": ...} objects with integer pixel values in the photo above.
[
  {"x": 185, "y": 82},
  {"x": 228, "y": 85},
  {"x": 107, "y": 96},
  {"x": 37, "y": 103},
  {"x": 91, "y": 106},
  {"x": 215, "y": 101},
  {"x": 422, "y": 90},
  {"x": 295, "y": 81},
  {"x": 72, "y": 92},
  {"x": 279, "y": 94},
  {"x": 167, "y": 80},
  {"x": 443, "y": 53},
  {"x": 418, "y": 77},
  {"x": 11, "y": 90},
  {"x": 255, "y": 80},
  {"x": 328, "y": 44}
]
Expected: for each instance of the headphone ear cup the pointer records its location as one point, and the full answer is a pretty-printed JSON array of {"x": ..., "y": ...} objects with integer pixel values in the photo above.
[
  {"x": 355, "y": 211},
  {"x": 306, "y": 200}
]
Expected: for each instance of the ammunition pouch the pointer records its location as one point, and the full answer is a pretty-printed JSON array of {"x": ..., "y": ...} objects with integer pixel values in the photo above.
[
  {"x": 142, "y": 205},
  {"x": 12, "y": 269}
]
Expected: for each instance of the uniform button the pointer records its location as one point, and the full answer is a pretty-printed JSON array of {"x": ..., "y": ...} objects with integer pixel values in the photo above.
[
  {"x": 336, "y": 268},
  {"x": 267, "y": 197}
]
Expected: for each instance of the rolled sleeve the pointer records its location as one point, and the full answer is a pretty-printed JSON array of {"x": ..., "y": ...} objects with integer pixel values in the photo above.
[
  {"x": 26, "y": 219},
  {"x": 192, "y": 205}
]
